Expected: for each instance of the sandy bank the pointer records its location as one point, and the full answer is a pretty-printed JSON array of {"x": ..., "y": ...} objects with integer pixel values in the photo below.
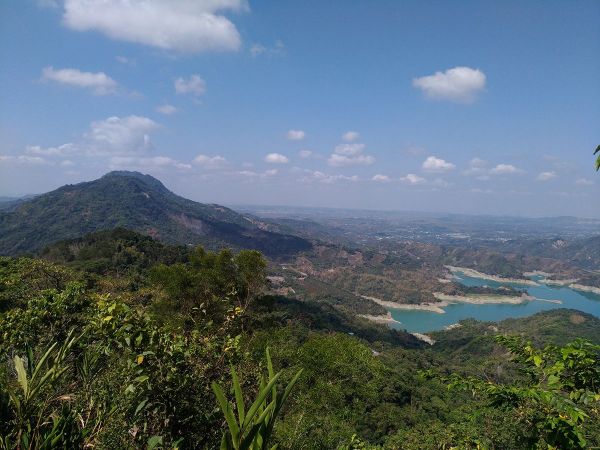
[
  {"x": 483, "y": 299},
  {"x": 558, "y": 282},
  {"x": 386, "y": 319},
  {"x": 534, "y": 273},
  {"x": 476, "y": 274},
  {"x": 583, "y": 287},
  {"x": 432, "y": 307}
]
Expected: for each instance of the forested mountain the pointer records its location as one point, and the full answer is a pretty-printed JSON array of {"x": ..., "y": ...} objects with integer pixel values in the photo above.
[{"x": 137, "y": 202}]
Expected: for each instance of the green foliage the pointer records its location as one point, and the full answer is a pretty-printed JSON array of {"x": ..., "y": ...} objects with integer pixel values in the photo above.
[
  {"x": 253, "y": 426},
  {"x": 597, "y": 159},
  {"x": 210, "y": 283},
  {"x": 150, "y": 356},
  {"x": 559, "y": 396},
  {"x": 117, "y": 252},
  {"x": 33, "y": 399},
  {"x": 22, "y": 278}
]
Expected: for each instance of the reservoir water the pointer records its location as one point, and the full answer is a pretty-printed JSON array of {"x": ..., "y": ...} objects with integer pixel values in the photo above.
[{"x": 424, "y": 321}]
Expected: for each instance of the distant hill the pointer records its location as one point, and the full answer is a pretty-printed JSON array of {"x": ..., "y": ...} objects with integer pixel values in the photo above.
[
  {"x": 584, "y": 252},
  {"x": 137, "y": 202},
  {"x": 8, "y": 203}
]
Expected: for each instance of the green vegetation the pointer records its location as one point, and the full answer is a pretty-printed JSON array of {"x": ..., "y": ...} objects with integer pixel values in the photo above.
[{"x": 118, "y": 341}]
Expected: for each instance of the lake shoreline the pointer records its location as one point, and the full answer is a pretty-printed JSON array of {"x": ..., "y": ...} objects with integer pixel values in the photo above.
[{"x": 485, "y": 276}]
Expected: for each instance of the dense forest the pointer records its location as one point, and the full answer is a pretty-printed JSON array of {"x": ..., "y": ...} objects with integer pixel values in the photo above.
[{"x": 116, "y": 340}]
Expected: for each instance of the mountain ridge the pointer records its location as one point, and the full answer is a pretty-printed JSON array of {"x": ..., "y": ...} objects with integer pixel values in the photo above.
[{"x": 138, "y": 202}]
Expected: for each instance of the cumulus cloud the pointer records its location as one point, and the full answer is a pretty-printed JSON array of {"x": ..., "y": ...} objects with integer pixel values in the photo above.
[
  {"x": 114, "y": 136},
  {"x": 119, "y": 136},
  {"x": 61, "y": 150},
  {"x": 381, "y": 178},
  {"x": 349, "y": 149},
  {"x": 412, "y": 178},
  {"x": 296, "y": 135},
  {"x": 185, "y": 26},
  {"x": 278, "y": 49},
  {"x": 433, "y": 164},
  {"x": 545, "y": 176},
  {"x": 460, "y": 84},
  {"x": 349, "y": 155},
  {"x": 23, "y": 159},
  {"x": 505, "y": 169},
  {"x": 194, "y": 85},
  {"x": 325, "y": 178},
  {"x": 350, "y": 136},
  {"x": 584, "y": 182},
  {"x": 305, "y": 153},
  {"x": 99, "y": 83},
  {"x": 336, "y": 160},
  {"x": 166, "y": 109},
  {"x": 156, "y": 162},
  {"x": 276, "y": 158},
  {"x": 210, "y": 162},
  {"x": 477, "y": 167},
  {"x": 251, "y": 174}
]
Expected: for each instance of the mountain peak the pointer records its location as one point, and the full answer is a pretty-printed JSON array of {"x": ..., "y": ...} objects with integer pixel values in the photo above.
[
  {"x": 145, "y": 178},
  {"x": 140, "y": 203}
]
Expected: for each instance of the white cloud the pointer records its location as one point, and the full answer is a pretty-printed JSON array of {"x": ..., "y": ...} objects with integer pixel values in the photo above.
[
  {"x": 24, "y": 159},
  {"x": 210, "y": 162},
  {"x": 61, "y": 150},
  {"x": 441, "y": 183},
  {"x": 67, "y": 163},
  {"x": 584, "y": 182},
  {"x": 157, "y": 162},
  {"x": 125, "y": 60},
  {"x": 381, "y": 178},
  {"x": 296, "y": 135},
  {"x": 114, "y": 136},
  {"x": 305, "y": 153},
  {"x": 460, "y": 84},
  {"x": 477, "y": 163},
  {"x": 336, "y": 160},
  {"x": 278, "y": 49},
  {"x": 350, "y": 136},
  {"x": 185, "y": 26},
  {"x": 412, "y": 178},
  {"x": 276, "y": 158},
  {"x": 545, "y": 176},
  {"x": 98, "y": 82},
  {"x": 433, "y": 164},
  {"x": 321, "y": 177},
  {"x": 193, "y": 85},
  {"x": 349, "y": 149},
  {"x": 166, "y": 109},
  {"x": 505, "y": 169},
  {"x": 349, "y": 155},
  {"x": 477, "y": 167},
  {"x": 252, "y": 174},
  {"x": 119, "y": 136}
]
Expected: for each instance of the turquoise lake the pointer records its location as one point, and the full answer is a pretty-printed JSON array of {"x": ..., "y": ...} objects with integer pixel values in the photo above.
[{"x": 424, "y": 321}]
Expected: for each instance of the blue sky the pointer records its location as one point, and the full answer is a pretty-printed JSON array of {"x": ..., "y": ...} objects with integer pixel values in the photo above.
[{"x": 467, "y": 106}]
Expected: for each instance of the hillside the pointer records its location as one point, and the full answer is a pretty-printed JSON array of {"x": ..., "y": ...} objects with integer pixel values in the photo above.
[{"x": 138, "y": 202}]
